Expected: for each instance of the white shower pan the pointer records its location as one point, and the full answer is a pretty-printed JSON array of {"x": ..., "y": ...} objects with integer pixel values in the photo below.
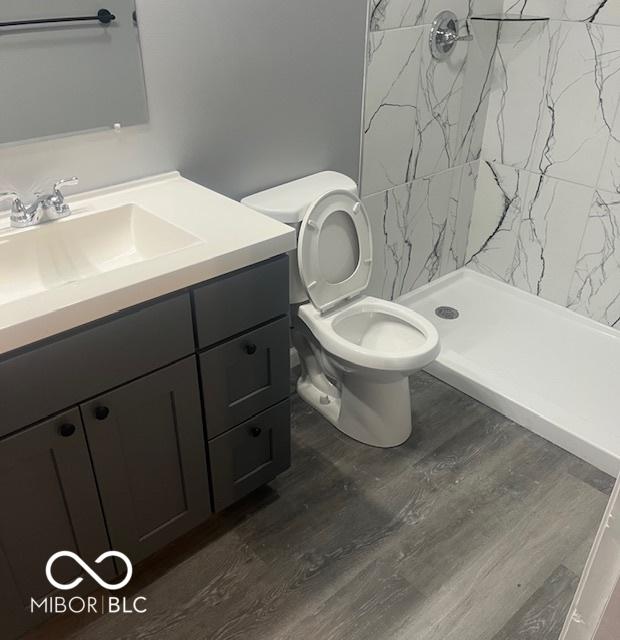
[{"x": 543, "y": 366}]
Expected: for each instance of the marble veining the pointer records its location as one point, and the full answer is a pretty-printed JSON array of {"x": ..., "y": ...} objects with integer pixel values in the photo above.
[
  {"x": 459, "y": 217},
  {"x": 438, "y": 115},
  {"x": 527, "y": 228},
  {"x": 598, "y": 11},
  {"x": 493, "y": 158},
  {"x": 409, "y": 227},
  {"x": 390, "y": 136},
  {"x": 393, "y": 14},
  {"x": 595, "y": 11},
  {"x": 551, "y": 149},
  {"x": 538, "y": 105},
  {"x": 412, "y": 116},
  {"x": 495, "y": 221},
  {"x": 550, "y": 232},
  {"x": 423, "y": 129},
  {"x": 595, "y": 289},
  {"x": 554, "y": 99},
  {"x": 609, "y": 179},
  {"x": 478, "y": 84}
]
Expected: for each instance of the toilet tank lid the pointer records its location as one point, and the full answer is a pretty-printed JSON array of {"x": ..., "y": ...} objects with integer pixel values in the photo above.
[{"x": 288, "y": 202}]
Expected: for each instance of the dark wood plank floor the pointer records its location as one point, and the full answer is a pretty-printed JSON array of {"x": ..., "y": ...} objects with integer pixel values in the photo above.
[{"x": 475, "y": 529}]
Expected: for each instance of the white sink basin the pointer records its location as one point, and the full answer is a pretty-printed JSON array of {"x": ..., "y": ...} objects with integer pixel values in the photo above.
[
  {"x": 110, "y": 255},
  {"x": 55, "y": 254}
]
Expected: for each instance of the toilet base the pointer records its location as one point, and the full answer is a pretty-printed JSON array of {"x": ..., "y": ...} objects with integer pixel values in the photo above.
[
  {"x": 327, "y": 405},
  {"x": 376, "y": 413}
]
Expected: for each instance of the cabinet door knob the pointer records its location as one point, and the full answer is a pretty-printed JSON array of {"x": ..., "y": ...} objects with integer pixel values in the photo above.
[
  {"x": 67, "y": 430},
  {"x": 250, "y": 349},
  {"x": 256, "y": 431},
  {"x": 101, "y": 413}
]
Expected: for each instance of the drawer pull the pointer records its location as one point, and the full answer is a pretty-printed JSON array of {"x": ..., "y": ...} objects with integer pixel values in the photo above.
[
  {"x": 250, "y": 349},
  {"x": 101, "y": 413},
  {"x": 256, "y": 431},
  {"x": 67, "y": 430}
]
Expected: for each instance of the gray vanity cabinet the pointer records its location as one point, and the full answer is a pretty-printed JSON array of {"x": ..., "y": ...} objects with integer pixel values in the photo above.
[
  {"x": 49, "y": 502},
  {"x": 162, "y": 413},
  {"x": 148, "y": 451},
  {"x": 242, "y": 329}
]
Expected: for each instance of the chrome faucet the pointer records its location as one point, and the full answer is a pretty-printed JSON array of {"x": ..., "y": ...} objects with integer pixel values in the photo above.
[{"x": 43, "y": 208}]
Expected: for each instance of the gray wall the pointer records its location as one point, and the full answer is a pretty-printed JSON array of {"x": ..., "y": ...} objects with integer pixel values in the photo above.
[{"x": 243, "y": 94}]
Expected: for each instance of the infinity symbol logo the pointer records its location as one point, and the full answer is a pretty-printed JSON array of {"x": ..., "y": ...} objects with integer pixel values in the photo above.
[{"x": 89, "y": 571}]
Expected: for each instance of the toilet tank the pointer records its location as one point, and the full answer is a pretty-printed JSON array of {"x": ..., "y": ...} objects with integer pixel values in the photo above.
[{"x": 289, "y": 202}]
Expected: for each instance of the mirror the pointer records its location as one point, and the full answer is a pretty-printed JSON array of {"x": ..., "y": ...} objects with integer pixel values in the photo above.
[{"x": 68, "y": 66}]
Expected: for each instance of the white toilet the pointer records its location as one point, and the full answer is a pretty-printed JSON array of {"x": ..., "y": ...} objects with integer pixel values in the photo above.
[{"x": 356, "y": 352}]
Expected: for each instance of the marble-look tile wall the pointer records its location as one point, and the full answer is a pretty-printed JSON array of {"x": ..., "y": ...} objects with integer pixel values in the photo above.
[
  {"x": 546, "y": 214},
  {"x": 424, "y": 122}
]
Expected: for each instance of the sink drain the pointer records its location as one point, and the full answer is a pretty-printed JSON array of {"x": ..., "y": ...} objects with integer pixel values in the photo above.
[{"x": 447, "y": 313}]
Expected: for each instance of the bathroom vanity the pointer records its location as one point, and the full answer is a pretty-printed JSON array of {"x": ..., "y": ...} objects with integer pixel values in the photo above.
[{"x": 140, "y": 399}]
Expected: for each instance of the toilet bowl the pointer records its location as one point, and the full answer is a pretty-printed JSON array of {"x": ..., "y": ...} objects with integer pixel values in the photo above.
[
  {"x": 373, "y": 346},
  {"x": 356, "y": 352}
]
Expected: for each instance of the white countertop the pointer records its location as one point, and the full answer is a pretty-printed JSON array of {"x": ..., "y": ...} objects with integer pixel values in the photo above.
[{"x": 231, "y": 237}]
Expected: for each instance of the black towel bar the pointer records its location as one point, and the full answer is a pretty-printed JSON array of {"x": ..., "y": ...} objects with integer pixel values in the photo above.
[{"x": 103, "y": 16}]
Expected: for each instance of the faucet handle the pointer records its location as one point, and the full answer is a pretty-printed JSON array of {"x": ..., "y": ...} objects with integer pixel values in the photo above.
[
  {"x": 64, "y": 182},
  {"x": 54, "y": 205},
  {"x": 17, "y": 202}
]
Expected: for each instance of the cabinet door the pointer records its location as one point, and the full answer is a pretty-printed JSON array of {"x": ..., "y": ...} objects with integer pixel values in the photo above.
[
  {"x": 245, "y": 375},
  {"x": 48, "y": 503},
  {"x": 147, "y": 444}
]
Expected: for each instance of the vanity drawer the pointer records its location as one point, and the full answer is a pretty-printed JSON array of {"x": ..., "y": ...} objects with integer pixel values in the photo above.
[
  {"x": 70, "y": 368},
  {"x": 250, "y": 455},
  {"x": 245, "y": 375},
  {"x": 241, "y": 300}
]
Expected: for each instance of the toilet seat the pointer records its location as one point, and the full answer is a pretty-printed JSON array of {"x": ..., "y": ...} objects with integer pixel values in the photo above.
[
  {"x": 338, "y": 217},
  {"x": 364, "y": 332},
  {"x": 375, "y": 334}
]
